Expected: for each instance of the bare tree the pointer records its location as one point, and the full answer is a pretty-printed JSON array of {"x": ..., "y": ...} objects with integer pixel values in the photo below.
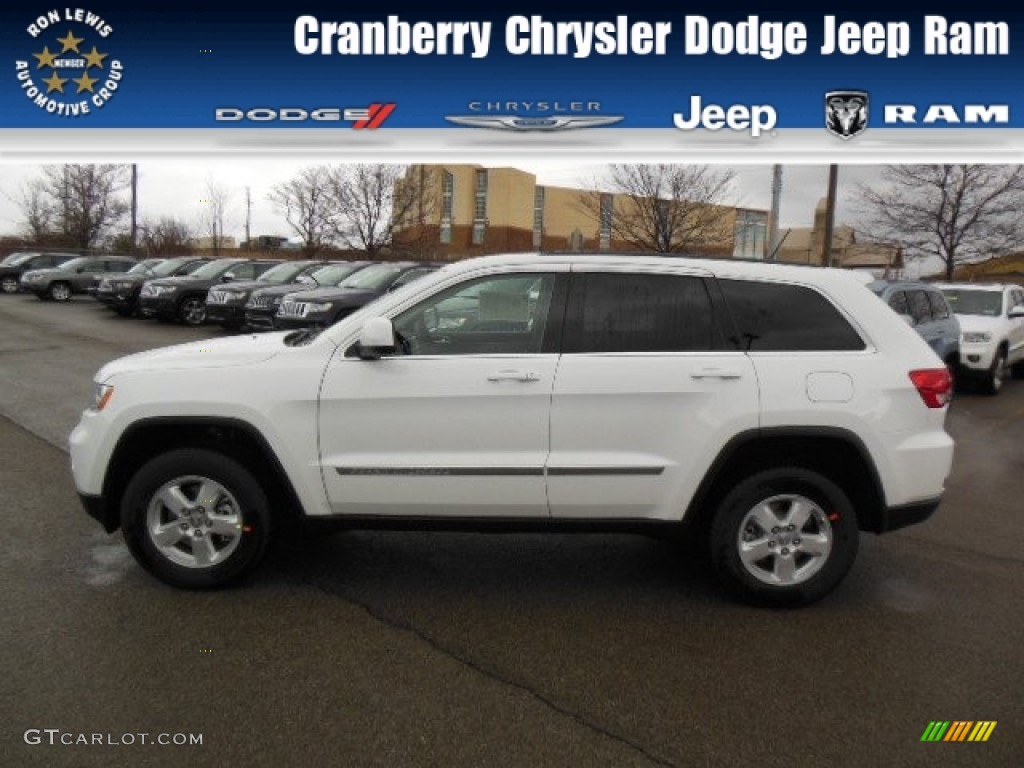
[
  {"x": 38, "y": 212},
  {"x": 415, "y": 200},
  {"x": 959, "y": 213},
  {"x": 367, "y": 212},
  {"x": 167, "y": 236},
  {"x": 215, "y": 206},
  {"x": 664, "y": 208},
  {"x": 81, "y": 203},
  {"x": 309, "y": 207}
]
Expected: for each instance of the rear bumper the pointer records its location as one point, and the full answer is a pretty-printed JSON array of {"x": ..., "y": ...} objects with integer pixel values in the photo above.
[
  {"x": 894, "y": 518},
  {"x": 99, "y": 510}
]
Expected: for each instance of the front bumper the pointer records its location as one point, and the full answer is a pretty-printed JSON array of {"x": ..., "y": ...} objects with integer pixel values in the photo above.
[
  {"x": 158, "y": 306},
  {"x": 99, "y": 510},
  {"x": 260, "y": 319},
  {"x": 977, "y": 357},
  {"x": 116, "y": 299},
  {"x": 225, "y": 314}
]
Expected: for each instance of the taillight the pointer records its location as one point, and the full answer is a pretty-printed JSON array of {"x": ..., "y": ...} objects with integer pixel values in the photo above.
[{"x": 935, "y": 385}]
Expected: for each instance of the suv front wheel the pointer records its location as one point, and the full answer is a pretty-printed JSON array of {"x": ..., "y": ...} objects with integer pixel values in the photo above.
[
  {"x": 196, "y": 519},
  {"x": 784, "y": 537}
]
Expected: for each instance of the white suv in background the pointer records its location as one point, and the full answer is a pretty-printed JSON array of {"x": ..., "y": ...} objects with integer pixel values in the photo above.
[
  {"x": 774, "y": 410},
  {"x": 991, "y": 330}
]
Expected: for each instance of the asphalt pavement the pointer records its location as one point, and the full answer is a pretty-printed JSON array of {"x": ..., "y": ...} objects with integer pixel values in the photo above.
[{"x": 440, "y": 649}]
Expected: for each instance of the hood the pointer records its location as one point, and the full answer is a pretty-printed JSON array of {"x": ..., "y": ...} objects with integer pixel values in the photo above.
[
  {"x": 284, "y": 289},
  {"x": 212, "y": 353},
  {"x": 244, "y": 286},
  {"x": 977, "y": 323},
  {"x": 344, "y": 295},
  {"x": 124, "y": 278}
]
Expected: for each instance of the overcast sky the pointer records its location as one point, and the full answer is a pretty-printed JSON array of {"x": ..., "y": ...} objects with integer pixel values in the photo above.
[{"x": 175, "y": 188}]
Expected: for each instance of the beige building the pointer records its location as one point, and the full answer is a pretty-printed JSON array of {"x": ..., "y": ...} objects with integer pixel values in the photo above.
[
  {"x": 454, "y": 211},
  {"x": 803, "y": 245}
]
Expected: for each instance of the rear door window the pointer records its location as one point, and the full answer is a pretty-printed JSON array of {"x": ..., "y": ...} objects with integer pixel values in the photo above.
[
  {"x": 898, "y": 302},
  {"x": 940, "y": 309},
  {"x": 619, "y": 312},
  {"x": 920, "y": 309}
]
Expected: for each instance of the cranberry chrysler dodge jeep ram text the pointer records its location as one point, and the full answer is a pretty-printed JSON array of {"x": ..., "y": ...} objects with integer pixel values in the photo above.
[{"x": 775, "y": 410}]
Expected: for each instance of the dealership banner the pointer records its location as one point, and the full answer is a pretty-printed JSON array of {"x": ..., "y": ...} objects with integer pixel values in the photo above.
[{"x": 709, "y": 72}]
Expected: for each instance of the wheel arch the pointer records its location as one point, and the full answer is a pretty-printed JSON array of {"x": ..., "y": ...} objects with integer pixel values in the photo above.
[
  {"x": 233, "y": 437},
  {"x": 833, "y": 452}
]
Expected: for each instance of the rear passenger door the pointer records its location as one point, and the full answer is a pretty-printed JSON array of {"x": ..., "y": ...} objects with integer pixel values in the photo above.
[{"x": 647, "y": 392}]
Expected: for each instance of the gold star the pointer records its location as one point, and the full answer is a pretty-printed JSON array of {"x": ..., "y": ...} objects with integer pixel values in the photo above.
[
  {"x": 95, "y": 59},
  {"x": 85, "y": 83},
  {"x": 70, "y": 42},
  {"x": 45, "y": 58},
  {"x": 55, "y": 83}
]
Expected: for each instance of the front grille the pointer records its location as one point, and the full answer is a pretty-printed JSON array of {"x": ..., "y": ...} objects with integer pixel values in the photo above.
[
  {"x": 217, "y": 297},
  {"x": 293, "y": 309},
  {"x": 259, "y": 301}
]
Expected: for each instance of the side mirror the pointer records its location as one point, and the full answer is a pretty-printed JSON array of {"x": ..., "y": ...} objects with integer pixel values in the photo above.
[
  {"x": 377, "y": 338},
  {"x": 228, "y": 277},
  {"x": 1017, "y": 311}
]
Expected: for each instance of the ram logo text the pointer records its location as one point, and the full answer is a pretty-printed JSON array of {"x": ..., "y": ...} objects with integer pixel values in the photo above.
[
  {"x": 755, "y": 119},
  {"x": 908, "y": 114}
]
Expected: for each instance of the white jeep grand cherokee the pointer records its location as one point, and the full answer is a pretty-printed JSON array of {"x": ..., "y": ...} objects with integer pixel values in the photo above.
[{"x": 775, "y": 410}]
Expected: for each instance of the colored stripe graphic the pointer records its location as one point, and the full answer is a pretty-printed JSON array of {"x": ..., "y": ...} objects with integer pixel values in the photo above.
[
  {"x": 378, "y": 114},
  {"x": 958, "y": 730},
  {"x": 935, "y": 730}
]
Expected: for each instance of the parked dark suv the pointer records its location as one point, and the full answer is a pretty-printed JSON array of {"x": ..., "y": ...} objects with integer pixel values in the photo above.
[
  {"x": 263, "y": 303},
  {"x": 184, "y": 297},
  {"x": 926, "y": 311},
  {"x": 322, "y": 307},
  {"x": 225, "y": 304},
  {"x": 73, "y": 276},
  {"x": 17, "y": 264},
  {"x": 121, "y": 292}
]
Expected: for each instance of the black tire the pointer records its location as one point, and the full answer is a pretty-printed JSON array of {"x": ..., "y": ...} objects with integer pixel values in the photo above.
[
  {"x": 832, "y": 521},
  {"x": 192, "y": 311},
  {"x": 59, "y": 291},
  {"x": 123, "y": 311},
  {"x": 9, "y": 284},
  {"x": 995, "y": 377},
  {"x": 241, "y": 505}
]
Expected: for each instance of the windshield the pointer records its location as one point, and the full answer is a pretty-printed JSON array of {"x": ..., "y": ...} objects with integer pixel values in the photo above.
[
  {"x": 19, "y": 258},
  {"x": 284, "y": 273},
  {"x": 375, "y": 278},
  {"x": 214, "y": 269},
  {"x": 167, "y": 268},
  {"x": 970, "y": 301},
  {"x": 74, "y": 264},
  {"x": 334, "y": 274},
  {"x": 142, "y": 268}
]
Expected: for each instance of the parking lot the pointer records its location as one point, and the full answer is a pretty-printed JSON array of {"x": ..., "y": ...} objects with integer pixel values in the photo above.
[{"x": 465, "y": 649}]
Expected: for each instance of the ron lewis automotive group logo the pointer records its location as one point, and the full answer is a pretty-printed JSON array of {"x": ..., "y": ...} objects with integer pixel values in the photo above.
[{"x": 70, "y": 71}]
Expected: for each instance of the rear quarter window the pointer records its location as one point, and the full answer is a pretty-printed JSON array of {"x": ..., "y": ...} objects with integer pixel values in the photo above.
[{"x": 780, "y": 317}]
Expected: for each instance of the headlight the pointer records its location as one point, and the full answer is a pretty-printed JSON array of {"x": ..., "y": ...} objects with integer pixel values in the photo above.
[
  {"x": 158, "y": 290},
  {"x": 318, "y": 306},
  {"x": 105, "y": 285},
  {"x": 976, "y": 337},
  {"x": 101, "y": 394}
]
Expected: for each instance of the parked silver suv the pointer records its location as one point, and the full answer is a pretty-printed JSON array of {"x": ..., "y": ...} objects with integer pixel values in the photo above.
[{"x": 925, "y": 309}]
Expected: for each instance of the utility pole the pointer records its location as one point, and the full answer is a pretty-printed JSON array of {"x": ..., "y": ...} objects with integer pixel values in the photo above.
[
  {"x": 135, "y": 208},
  {"x": 248, "y": 219},
  {"x": 772, "y": 242},
  {"x": 830, "y": 215}
]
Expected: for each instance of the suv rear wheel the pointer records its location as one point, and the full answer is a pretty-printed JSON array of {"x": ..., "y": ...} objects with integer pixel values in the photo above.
[
  {"x": 996, "y": 375},
  {"x": 784, "y": 537},
  {"x": 196, "y": 519}
]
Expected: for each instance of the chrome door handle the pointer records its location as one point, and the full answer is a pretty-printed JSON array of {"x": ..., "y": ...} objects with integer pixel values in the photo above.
[
  {"x": 715, "y": 373},
  {"x": 513, "y": 376}
]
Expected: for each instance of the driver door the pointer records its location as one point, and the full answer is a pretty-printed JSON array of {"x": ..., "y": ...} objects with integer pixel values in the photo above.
[{"x": 455, "y": 423}]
